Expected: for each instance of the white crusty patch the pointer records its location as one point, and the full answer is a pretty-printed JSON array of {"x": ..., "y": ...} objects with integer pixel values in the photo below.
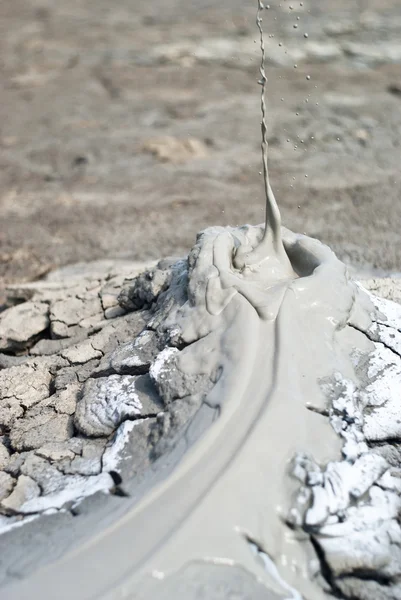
[
  {"x": 106, "y": 402},
  {"x": 73, "y": 489},
  {"x": 390, "y": 310},
  {"x": 112, "y": 455},
  {"x": 77, "y": 488},
  {"x": 353, "y": 505},
  {"x": 159, "y": 366}
]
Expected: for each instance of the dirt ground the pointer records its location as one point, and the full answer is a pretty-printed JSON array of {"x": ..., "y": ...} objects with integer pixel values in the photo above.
[{"x": 128, "y": 126}]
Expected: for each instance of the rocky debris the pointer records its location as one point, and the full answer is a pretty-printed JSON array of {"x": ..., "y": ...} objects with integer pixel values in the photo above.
[
  {"x": 89, "y": 392},
  {"x": 351, "y": 508}
]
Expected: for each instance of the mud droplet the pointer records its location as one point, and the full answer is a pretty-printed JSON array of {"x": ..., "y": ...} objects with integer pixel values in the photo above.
[
  {"x": 306, "y": 35},
  {"x": 308, "y": 77}
]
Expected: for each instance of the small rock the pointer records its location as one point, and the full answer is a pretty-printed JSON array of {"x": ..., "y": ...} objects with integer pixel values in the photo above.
[
  {"x": 21, "y": 323},
  {"x": 114, "y": 312},
  {"x": 109, "y": 298},
  {"x": 48, "y": 347},
  {"x": 145, "y": 289},
  {"x": 26, "y": 489},
  {"x": 132, "y": 358},
  {"x": 81, "y": 353},
  {"x": 6, "y": 485}
]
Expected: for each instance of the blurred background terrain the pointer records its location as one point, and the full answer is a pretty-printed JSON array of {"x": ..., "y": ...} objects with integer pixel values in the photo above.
[{"x": 128, "y": 126}]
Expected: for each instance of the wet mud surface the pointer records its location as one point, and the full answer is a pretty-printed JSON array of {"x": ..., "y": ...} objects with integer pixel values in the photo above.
[
  {"x": 127, "y": 128},
  {"x": 118, "y": 387}
]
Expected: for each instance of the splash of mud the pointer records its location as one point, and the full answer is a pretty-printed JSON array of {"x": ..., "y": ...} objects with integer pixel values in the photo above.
[{"x": 270, "y": 248}]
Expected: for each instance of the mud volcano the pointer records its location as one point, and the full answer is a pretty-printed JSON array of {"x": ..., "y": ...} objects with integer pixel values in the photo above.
[{"x": 221, "y": 425}]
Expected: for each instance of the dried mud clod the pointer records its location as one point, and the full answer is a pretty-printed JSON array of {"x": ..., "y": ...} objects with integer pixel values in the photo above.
[{"x": 82, "y": 384}]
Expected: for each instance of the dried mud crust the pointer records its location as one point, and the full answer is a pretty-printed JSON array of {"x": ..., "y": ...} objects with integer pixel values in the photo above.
[
  {"x": 83, "y": 377},
  {"x": 351, "y": 508}
]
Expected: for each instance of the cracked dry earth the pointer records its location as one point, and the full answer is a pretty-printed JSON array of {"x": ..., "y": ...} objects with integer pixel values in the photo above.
[{"x": 80, "y": 370}]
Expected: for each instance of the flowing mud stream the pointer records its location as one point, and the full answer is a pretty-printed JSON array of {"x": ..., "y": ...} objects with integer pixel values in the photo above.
[{"x": 264, "y": 330}]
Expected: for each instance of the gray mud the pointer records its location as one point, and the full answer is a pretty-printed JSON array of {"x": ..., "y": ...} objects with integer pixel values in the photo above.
[{"x": 197, "y": 382}]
